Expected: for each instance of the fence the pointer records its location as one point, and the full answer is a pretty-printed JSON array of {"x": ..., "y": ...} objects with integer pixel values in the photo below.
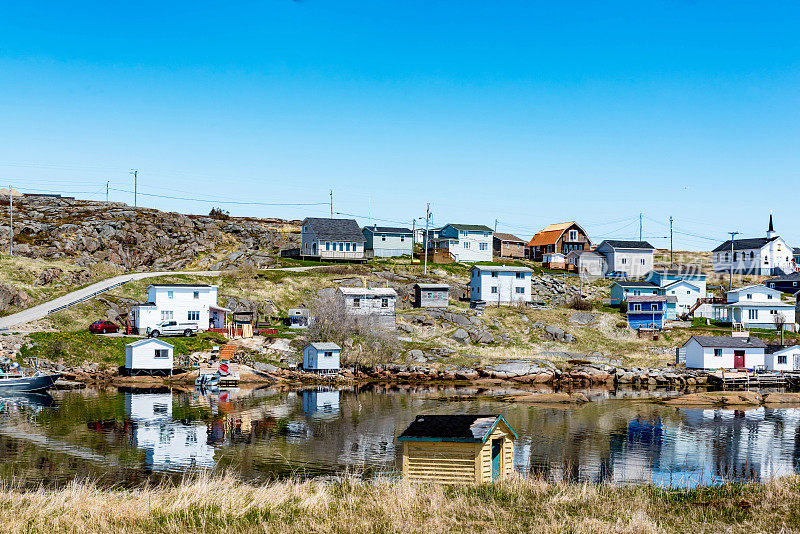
[{"x": 87, "y": 297}]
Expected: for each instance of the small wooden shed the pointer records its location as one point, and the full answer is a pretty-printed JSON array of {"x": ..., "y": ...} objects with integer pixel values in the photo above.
[
  {"x": 458, "y": 449},
  {"x": 149, "y": 356},
  {"x": 322, "y": 358},
  {"x": 431, "y": 295}
]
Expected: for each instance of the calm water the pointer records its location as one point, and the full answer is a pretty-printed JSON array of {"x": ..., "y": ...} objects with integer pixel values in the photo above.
[{"x": 126, "y": 437}]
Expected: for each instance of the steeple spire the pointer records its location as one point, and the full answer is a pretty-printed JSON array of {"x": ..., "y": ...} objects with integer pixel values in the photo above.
[{"x": 771, "y": 230}]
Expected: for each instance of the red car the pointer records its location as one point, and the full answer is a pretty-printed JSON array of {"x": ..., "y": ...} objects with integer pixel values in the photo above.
[{"x": 102, "y": 327}]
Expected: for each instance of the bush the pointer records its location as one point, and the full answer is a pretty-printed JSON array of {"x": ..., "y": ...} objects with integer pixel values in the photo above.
[
  {"x": 580, "y": 303},
  {"x": 219, "y": 213}
]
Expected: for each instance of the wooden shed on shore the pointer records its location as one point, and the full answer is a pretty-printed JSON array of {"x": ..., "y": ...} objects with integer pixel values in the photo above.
[
  {"x": 458, "y": 449},
  {"x": 431, "y": 295}
]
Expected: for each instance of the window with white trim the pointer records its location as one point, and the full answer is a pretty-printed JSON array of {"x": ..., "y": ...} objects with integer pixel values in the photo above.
[
  {"x": 782, "y": 360},
  {"x": 193, "y": 316},
  {"x": 520, "y": 290},
  {"x": 718, "y": 353},
  {"x": 166, "y": 315},
  {"x": 637, "y": 307},
  {"x": 752, "y": 314},
  {"x": 494, "y": 290},
  {"x": 161, "y": 354}
]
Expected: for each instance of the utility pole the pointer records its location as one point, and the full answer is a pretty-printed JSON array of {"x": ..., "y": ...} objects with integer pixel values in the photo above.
[
  {"x": 135, "y": 174},
  {"x": 107, "y": 191},
  {"x": 730, "y": 270},
  {"x": 671, "y": 261},
  {"x": 331, "y": 203},
  {"x": 11, "y": 219},
  {"x": 425, "y": 248},
  {"x": 495, "y": 226},
  {"x": 640, "y": 226}
]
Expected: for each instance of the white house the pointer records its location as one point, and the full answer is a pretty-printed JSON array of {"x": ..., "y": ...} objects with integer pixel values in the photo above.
[
  {"x": 780, "y": 358},
  {"x": 388, "y": 242},
  {"x": 323, "y": 358},
  {"x": 763, "y": 256},
  {"x": 377, "y": 303},
  {"x": 634, "y": 258},
  {"x": 754, "y": 306},
  {"x": 465, "y": 242},
  {"x": 332, "y": 239},
  {"x": 500, "y": 284},
  {"x": 586, "y": 262},
  {"x": 184, "y": 303},
  {"x": 712, "y": 352},
  {"x": 149, "y": 356}
]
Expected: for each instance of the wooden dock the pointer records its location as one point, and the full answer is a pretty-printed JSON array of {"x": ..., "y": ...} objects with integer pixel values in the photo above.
[{"x": 735, "y": 379}]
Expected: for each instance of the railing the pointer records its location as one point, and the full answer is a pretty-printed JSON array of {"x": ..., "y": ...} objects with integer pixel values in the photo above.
[{"x": 87, "y": 297}]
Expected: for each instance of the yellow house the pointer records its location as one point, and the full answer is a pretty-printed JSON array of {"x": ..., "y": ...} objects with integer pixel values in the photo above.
[{"x": 458, "y": 449}]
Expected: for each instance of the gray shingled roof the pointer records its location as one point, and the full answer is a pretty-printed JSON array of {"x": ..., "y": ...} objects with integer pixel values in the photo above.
[
  {"x": 634, "y": 283},
  {"x": 387, "y": 230},
  {"x": 793, "y": 277},
  {"x": 470, "y": 227},
  {"x": 629, "y": 244},
  {"x": 326, "y": 346},
  {"x": 336, "y": 229},
  {"x": 729, "y": 342},
  {"x": 744, "y": 244},
  {"x": 433, "y": 286},
  {"x": 463, "y": 428},
  {"x": 508, "y": 237}
]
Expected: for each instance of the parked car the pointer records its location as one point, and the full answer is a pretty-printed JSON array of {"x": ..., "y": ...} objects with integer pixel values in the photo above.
[
  {"x": 616, "y": 275},
  {"x": 103, "y": 327},
  {"x": 173, "y": 328}
]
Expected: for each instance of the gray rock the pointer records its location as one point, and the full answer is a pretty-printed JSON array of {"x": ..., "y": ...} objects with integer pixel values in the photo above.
[
  {"x": 583, "y": 318},
  {"x": 461, "y": 335}
]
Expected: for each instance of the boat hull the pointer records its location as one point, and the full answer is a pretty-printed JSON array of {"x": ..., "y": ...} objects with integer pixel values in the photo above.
[{"x": 28, "y": 384}]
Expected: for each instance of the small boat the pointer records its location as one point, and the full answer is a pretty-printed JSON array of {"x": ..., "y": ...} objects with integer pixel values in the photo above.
[
  {"x": 207, "y": 380},
  {"x": 26, "y": 384}
]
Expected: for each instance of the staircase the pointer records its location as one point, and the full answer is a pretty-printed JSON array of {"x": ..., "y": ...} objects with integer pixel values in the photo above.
[
  {"x": 227, "y": 351},
  {"x": 700, "y": 302}
]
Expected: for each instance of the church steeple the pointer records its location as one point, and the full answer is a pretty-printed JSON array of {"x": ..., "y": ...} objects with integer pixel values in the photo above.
[{"x": 771, "y": 230}]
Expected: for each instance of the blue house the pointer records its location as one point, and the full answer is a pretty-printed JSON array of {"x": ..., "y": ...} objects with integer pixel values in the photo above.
[
  {"x": 622, "y": 289},
  {"x": 646, "y": 311}
]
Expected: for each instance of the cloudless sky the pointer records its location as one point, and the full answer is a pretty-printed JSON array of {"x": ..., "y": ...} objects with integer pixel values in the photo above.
[{"x": 522, "y": 111}]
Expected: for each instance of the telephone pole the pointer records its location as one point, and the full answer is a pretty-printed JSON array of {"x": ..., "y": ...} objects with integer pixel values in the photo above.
[
  {"x": 495, "y": 226},
  {"x": 425, "y": 248},
  {"x": 671, "y": 261},
  {"x": 135, "y": 174},
  {"x": 730, "y": 270},
  {"x": 640, "y": 226},
  {"x": 11, "y": 219},
  {"x": 107, "y": 191},
  {"x": 331, "y": 203}
]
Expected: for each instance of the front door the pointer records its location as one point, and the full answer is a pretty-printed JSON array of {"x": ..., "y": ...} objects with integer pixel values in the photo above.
[
  {"x": 738, "y": 359},
  {"x": 497, "y": 458}
]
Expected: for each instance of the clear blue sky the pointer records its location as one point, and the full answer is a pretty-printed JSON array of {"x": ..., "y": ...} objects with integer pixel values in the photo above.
[{"x": 526, "y": 112}]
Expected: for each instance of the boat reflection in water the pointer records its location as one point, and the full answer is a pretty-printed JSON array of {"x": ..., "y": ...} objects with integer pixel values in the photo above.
[{"x": 169, "y": 445}]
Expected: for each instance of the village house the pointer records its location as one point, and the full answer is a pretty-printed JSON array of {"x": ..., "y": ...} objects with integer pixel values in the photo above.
[
  {"x": 554, "y": 260},
  {"x": 388, "y": 241},
  {"x": 646, "y": 311},
  {"x": 686, "y": 285},
  {"x": 376, "y": 304},
  {"x": 458, "y": 449},
  {"x": 500, "y": 284},
  {"x": 634, "y": 258},
  {"x": 620, "y": 290},
  {"x": 298, "y": 318},
  {"x": 183, "y": 303},
  {"x": 332, "y": 239},
  {"x": 431, "y": 295},
  {"x": 762, "y": 256},
  {"x": 717, "y": 352},
  {"x": 508, "y": 246},
  {"x": 322, "y": 358},
  {"x": 787, "y": 283},
  {"x": 782, "y": 358},
  {"x": 796, "y": 254},
  {"x": 586, "y": 263},
  {"x": 558, "y": 238},
  {"x": 462, "y": 242},
  {"x": 149, "y": 356},
  {"x": 754, "y": 306}
]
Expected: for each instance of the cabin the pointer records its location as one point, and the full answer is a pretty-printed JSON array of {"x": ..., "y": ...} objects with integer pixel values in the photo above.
[
  {"x": 150, "y": 356},
  {"x": 719, "y": 352},
  {"x": 646, "y": 311},
  {"x": 388, "y": 241},
  {"x": 332, "y": 239},
  {"x": 782, "y": 358},
  {"x": 561, "y": 238},
  {"x": 376, "y": 303},
  {"x": 500, "y": 284},
  {"x": 508, "y": 246},
  {"x": 431, "y": 295},
  {"x": 322, "y": 358},
  {"x": 458, "y": 449}
]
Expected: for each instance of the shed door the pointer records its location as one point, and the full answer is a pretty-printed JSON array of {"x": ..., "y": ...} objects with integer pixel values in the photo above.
[
  {"x": 738, "y": 359},
  {"x": 796, "y": 363},
  {"x": 497, "y": 458}
]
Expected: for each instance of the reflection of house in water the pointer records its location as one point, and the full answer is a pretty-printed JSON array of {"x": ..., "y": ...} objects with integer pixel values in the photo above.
[
  {"x": 167, "y": 444},
  {"x": 320, "y": 404}
]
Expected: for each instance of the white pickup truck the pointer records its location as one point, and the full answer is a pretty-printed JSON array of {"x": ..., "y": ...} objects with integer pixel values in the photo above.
[{"x": 173, "y": 328}]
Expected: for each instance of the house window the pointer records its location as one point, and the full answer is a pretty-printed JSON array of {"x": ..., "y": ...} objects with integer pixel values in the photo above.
[
  {"x": 327, "y": 245},
  {"x": 161, "y": 354},
  {"x": 341, "y": 247},
  {"x": 194, "y": 315},
  {"x": 494, "y": 274},
  {"x": 356, "y": 302},
  {"x": 636, "y": 292},
  {"x": 520, "y": 276},
  {"x": 383, "y": 238},
  {"x": 347, "y": 247},
  {"x": 384, "y": 303},
  {"x": 573, "y": 235},
  {"x": 718, "y": 353},
  {"x": 637, "y": 307},
  {"x": 466, "y": 244},
  {"x": 749, "y": 296},
  {"x": 769, "y": 297},
  {"x": 726, "y": 256},
  {"x": 494, "y": 290},
  {"x": 752, "y": 314},
  {"x": 196, "y": 294},
  {"x": 170, "y": 294},
  {"x": 782, "y": 360},
  {"x": 402, "y": 238},
  {"x": 166, "y": 315},
  {"x": 484, "y": 246},
  {"x": 328, "y": 354},
  {"x": 642, "y": 260},
  {"x": 624, "y": 261},
  {"x": 520, "y": 290}
]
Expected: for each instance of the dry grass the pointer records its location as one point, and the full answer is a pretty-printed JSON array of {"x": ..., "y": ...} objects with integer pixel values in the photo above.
[{"x": 223, "y": 504}]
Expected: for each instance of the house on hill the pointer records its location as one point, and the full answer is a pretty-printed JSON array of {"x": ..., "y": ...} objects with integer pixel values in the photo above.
[
  {"x": 634, "y": 258},
  {"x": 388, "y": 241},
  {"x": 762, "y": 256},
  {"x": 184, "y": 303},
  {"x": 377, "y": 303},
  {"x": 788, "y": 283},
  {"x": 559, "y": 238},
  {"x": 646, "y": 311},
  {"x": 462, "y": 242},
  {"x": 508, "y": 246},
  {"x": 500, "y": 284},
  {"x": 332, "y": 239},
  {"x": 754, "y": 306},
  {"x": 586, "y": 262}
]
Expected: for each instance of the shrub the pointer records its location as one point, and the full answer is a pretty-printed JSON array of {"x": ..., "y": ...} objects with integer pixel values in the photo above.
[
  {"x": 219, "y": 213},
  {"x": 580, "y": 303}
]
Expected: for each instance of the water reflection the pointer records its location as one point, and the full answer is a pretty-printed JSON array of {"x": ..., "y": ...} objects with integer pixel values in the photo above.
[{"x": 133, "y": 435}]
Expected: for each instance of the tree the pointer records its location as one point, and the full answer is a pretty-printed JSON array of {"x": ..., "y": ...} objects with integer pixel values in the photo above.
[
  {"x": 219, "y": 213},
  {"x": 779, "y": 320}
]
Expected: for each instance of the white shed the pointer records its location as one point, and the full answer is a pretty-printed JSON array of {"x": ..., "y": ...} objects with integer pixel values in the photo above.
[
  {"x": 779, "y": 358},
  {"x": 718, "y": 352},
  {"x": 322, "y": 357},
  {"x": 149, "y": 356}
]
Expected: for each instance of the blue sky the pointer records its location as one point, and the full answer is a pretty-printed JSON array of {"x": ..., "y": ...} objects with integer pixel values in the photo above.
[{"x": 524, "y": 112}]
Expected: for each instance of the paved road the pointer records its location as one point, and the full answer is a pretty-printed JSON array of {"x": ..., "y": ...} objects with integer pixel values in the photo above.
[{"x": 40, "y": 311}]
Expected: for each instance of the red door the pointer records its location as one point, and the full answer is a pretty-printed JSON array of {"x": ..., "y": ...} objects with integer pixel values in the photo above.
[{"x": 738, "y": 359}]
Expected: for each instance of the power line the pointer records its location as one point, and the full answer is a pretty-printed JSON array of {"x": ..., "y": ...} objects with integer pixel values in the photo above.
[{"x": 217, "y": 201}]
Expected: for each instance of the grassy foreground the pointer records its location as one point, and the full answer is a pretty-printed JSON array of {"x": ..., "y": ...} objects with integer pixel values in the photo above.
[{"x": 223, "y": 504}]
